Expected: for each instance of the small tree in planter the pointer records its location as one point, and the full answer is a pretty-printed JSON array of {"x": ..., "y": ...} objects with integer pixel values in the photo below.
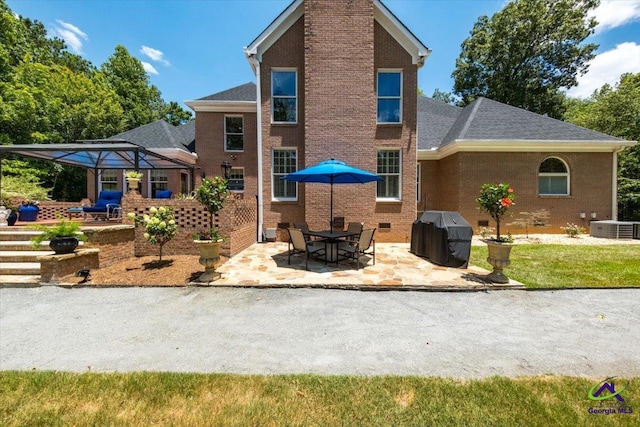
[
  {"x": 212, "y": 194},
  {"x": 159, "y": 226},
  {"x": 496, "y": 199}
]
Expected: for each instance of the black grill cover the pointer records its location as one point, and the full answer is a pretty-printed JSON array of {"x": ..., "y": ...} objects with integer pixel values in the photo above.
[{"x": 442, "y": 237}]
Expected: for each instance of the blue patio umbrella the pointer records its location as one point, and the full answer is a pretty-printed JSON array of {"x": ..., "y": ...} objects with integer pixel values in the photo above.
[{"x": 332, "y": 172}]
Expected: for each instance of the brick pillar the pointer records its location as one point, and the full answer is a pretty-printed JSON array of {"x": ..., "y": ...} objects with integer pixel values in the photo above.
[{"x": 340, "y": 109}]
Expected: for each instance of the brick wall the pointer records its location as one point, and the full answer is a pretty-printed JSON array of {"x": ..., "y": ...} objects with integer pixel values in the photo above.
[
  {"x": 210, "y": 147},
  {"x": 54, "y": 267},
  {"x": 116, "y": 242},
  {"x": 287, "y": 52},
  {"x": 461, "y": 175},
  {"x": 236, "y": 221}
]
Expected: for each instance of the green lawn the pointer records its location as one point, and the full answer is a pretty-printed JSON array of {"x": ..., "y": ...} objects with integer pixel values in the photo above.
[
  {"x": 142, "y": 399},
  {"x": 569, "y": 266}
]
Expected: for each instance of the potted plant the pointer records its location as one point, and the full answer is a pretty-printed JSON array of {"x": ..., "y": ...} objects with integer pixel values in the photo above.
[
  {"x": 63, "y": 237},
  {"x": 496, "y": 199},
  {"x": 212, "y": 194},
  {"x": 12, "y": 211},
  {"x": 28, "y": 210},
  {"x": 133, "y": 179}
]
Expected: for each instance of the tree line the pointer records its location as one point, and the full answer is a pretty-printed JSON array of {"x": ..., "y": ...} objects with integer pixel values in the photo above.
[{"x": 49, "y": 95}]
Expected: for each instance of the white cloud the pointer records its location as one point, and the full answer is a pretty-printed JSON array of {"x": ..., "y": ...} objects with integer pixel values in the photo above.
[
  {"x": 607, "y": 68},
  {"x": 71, "y": 35},
  {"x": 615, "y": 13},
  {"x": 149, "y": 68},
  {"x": 155, "y": 55}
]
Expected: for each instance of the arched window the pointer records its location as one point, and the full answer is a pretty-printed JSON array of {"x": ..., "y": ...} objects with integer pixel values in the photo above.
[{"x": 553, "y": 177}]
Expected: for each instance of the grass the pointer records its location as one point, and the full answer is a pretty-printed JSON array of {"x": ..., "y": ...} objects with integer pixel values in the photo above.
[
  {"x": 141, "y": 399},
  {"x": 569, "y": 266}
]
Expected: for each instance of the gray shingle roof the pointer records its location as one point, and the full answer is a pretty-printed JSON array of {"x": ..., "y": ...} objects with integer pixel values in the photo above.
[
  {"x": 435, "y": 119},
  {"x": 245, "y": 92},
  {"x": 485, "y": 119},
  {"x": 159, "y": 134}
]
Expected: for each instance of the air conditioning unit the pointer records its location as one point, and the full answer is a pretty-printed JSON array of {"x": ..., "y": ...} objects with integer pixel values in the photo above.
[{"x": 612, "y": 229}]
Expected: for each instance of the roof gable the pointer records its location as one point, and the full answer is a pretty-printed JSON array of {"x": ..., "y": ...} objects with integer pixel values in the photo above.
[
  {"x": 245, "y": 92},
  {"x": 418, "y": 51},
  {"x": 435, "y": 120}
]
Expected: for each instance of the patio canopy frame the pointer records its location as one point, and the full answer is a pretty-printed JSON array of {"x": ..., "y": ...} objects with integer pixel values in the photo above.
[{"x": 99, "y": 154}]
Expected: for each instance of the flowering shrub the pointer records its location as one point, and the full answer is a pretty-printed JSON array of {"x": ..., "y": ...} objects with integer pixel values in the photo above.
[
  {"x": 133, "y": 174},
  {"x": 159, "y": 225},
  {"x": 496, "y": 199},
  {"x": 573, "y": 230},
  {"x": 212, "y": 194}
]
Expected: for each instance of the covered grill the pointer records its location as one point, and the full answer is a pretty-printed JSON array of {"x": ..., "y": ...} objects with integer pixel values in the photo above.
[{"x": 443, "y": 237}]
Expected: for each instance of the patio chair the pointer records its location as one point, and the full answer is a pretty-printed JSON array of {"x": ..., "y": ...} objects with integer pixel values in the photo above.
[
  {"x": 366, "y": 245},
  {"x": 354, "y": 227},
  {"x": 164, "y": 194},
  {"x": 107, "y": 205},
  {"x": 304, "y": 227},
  {"x": 338, "y": 223},
  {"x": 302, "y": 245}
]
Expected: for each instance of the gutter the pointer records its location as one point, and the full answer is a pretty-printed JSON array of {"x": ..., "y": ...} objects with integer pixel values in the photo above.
[
  {"x": 614, "y": 183},
  {"x": 256, "y": 66}
]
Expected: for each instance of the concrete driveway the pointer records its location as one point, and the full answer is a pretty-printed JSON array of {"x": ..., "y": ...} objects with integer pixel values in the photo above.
[{"x": 591, "y": 333}]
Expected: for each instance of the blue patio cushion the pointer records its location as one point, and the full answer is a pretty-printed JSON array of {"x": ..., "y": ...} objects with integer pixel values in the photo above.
[
  {"x": 163, "y": 194},
  {"x": 105, "y": 198}
]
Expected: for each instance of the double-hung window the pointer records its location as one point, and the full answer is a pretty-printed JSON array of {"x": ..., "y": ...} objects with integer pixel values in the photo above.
[
  {"x": 389, "y": 96},
  {"x": 236, "y": 179},
  {"x": 108, "y": 180},
  {"x": 233, "y": 133},
  {"x": 553, "y": 178},
  {"x": 389, "y": 167},
  {"x": 159, "y": 180},
  {"x": 284, "y": 162},
  {"x": 284, "y": 96}
]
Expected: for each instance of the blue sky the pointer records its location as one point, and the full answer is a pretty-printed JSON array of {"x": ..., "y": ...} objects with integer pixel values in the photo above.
[{"x": 193, "y": 48}]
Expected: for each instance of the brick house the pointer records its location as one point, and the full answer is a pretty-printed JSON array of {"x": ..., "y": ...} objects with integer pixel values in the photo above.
[{"x": 338, "y": 79}]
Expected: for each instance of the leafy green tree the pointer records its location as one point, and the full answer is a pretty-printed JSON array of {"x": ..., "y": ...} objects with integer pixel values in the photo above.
[
  {"x": 175, "y": 114},
  {"x": 526, "y": 53},
  {"x": 445, "y": 97},
  {"x": 616, "y": 111},
  {"x": 140, "y": 101}
]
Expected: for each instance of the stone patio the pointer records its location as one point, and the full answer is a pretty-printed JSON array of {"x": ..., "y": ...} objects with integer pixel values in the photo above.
[{"x": 265, "y": 265}]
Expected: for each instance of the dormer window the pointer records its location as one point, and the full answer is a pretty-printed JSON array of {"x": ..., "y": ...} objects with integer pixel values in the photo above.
[{"x": 389, "y": 96}]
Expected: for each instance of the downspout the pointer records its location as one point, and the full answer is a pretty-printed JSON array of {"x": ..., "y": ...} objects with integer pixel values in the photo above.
[
  {"x": 614, "y": 185},
  {"x": 256, "y": 65}
]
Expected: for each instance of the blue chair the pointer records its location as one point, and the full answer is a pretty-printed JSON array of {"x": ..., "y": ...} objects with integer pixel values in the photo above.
[
  {"x": 107, "y": 205},
  {"x": 164, "y": 194}
]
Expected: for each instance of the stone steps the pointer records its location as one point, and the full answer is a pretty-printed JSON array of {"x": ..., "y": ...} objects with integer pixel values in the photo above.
[{"x": 18, "y": 259}]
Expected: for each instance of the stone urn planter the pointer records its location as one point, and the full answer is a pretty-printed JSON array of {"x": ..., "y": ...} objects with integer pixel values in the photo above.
[
  {"x": 63, "y": 245},
  {"x": 133, "y": 183},
  {"x": 209, "y": 256},
  {"x": 499, "y": 253}
]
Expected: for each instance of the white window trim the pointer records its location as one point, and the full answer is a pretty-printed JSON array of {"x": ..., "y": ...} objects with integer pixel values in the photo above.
[
  {"x": 100, "y": 171},
  {"x": 243, "y": 179},
  {"x": 391, "y": 199},
  {"x": 225, "y": 133},
  {"x": 378, "y": 97},
  {"x": 273, "y": 197},
  {"x": 151, "y": 181},
  {"x": 566, "y": 175},
  {"x": 295, "y": 70}
]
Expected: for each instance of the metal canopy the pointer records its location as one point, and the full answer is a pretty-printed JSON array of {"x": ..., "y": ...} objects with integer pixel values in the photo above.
[{"x": 98, "y": 155}]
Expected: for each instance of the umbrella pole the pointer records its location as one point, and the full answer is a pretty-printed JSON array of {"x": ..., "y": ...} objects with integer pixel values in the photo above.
[{"x": 331, "y": 212}]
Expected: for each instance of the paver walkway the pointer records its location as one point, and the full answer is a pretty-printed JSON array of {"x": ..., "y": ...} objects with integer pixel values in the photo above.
[{"x": 266, "y": 265}]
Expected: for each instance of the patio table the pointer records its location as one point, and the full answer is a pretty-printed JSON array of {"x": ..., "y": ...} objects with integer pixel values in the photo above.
[{"x": 332, "y": 240}]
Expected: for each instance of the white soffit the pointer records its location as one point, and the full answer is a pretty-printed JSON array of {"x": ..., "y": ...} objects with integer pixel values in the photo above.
[
  {"x": 212, "y": 106},
  {"x": 523, "y": 146}
]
